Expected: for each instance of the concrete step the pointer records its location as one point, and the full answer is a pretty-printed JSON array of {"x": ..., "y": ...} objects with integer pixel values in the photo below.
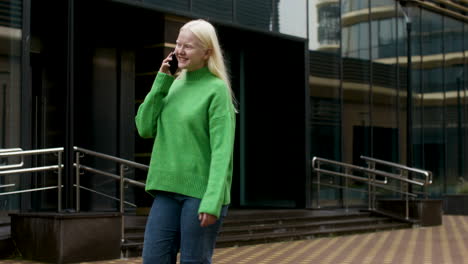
[
  {"x": 242, "y": 240},
  {"x": 296, "y": 226},
  {"x": 134, "y": 237},
  {"x": 287, "y": 220}
]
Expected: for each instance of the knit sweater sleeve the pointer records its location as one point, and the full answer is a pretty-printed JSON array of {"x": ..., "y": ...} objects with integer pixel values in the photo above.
[
  {"x": 149, "y": 111},
  {"x": 222, "y": 134}
]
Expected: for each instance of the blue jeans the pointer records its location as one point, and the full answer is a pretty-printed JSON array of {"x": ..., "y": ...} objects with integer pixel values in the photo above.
[{"x": 173, "y": 225}]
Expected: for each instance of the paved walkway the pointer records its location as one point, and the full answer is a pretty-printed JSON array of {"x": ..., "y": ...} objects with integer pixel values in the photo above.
[{"x": 446, "y": 244}]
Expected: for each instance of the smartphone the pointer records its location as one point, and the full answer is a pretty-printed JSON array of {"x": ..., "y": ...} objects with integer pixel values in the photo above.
[{"x": 173, "y": 64}]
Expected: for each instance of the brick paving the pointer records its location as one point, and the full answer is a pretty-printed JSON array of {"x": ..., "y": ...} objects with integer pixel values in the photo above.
[{"x": 445, "y": 244}]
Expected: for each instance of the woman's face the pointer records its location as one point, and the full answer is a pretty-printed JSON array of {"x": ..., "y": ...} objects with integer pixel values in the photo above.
[{"x": 190, "y": 52}]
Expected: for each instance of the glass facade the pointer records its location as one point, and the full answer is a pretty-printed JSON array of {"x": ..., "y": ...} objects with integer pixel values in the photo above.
[
  {"x": 10, "y": 89},
  {"x": 367, "y": 78},
  {"x": 353, "y": 92},
  {"x": 453, "y": 77}
]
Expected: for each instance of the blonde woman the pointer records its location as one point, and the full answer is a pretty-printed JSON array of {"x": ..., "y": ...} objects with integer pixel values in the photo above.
[{"x": 192, "y": 118}]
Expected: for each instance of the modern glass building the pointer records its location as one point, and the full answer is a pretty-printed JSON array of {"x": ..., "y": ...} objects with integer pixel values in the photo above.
[{"x": 330, "y": 78}]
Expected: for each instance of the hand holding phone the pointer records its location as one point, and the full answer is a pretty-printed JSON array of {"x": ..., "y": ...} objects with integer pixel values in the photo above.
[{"x": 173, "y": 63}]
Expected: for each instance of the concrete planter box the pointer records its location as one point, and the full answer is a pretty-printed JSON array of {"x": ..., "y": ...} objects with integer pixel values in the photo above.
[
  {"x": 67, "y": 237},
  {"x": 426, "y": 212},
  {"x": 456, "y": 204}
]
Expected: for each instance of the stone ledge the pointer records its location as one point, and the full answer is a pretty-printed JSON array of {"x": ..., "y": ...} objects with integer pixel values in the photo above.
[
  {"x": 428, "y": 212},
  {"x": 67, "y": 237}
]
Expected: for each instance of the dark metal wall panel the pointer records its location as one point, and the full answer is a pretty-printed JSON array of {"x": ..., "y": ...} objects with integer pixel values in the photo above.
[
  {"x": 220, "y": 9},
  {"x": 257, "y": 15},
  {"x": 182, "y": 5},
  {"x": 254, "y": 13}
]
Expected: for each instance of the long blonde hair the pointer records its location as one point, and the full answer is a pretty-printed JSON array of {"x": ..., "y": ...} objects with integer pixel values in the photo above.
[{"x": 206, "y": 33}]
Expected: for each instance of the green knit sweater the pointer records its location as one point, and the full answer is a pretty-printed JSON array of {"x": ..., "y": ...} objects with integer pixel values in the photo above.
[{"x": 192, "y": 119}]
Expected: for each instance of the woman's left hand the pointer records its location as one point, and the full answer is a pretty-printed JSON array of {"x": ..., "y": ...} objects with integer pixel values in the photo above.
[{"x": 206, "y": 219}]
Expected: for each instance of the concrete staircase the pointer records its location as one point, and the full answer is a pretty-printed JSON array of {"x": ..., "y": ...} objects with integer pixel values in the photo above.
[
  {"x": 241, "y": 229},
  {"x": 246, "y": 227}
]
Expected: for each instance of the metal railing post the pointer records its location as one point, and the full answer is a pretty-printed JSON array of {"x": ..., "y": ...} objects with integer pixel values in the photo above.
[
  {"x": 407, "y": 201},
  {"x": 369, "y": 189},
  {"x": 77, "y": 155},
  {"x": 318, "y": 185},
  {"x": 426, "y": 186},
  {"x": 403, "y": 174},
  {"x": 59, "y": 182},
  {"x": 373, "y": 191},
  {"x": 345, "y": 200},
  {"x": 404, "y": 192},
  {"x": 122, "y": 199}
]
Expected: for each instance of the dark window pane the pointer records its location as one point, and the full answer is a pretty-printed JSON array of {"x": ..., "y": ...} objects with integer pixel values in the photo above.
[
  {"x": 453, "y": 35},
  {"x": 433, "y": 99}
]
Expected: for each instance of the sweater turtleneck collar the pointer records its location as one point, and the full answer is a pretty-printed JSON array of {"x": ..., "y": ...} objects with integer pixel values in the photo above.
[{"x": 197, "y": 74}]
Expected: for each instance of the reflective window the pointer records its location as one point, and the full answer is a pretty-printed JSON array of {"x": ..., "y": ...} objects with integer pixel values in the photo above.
[
  {"x": 324, "y": 87},
  {"x": 328, "y": 29},
  {"x": 401, "y": 35},
  {"x": 355, "y": 41},
  {"x": 383, "y": 38},
  {"x": 353, "y": 5},
  {"x": 433, "y": 102},
  {"x": 432, "y": 33},
  {"x": 416, "y": 83},
  {"x": 377, "y": 3},
  {"x": 453, "y": 36},
  {"x": 374, "y": 86},
  {"x": 10, "y": 90},
  {"x": 385, "y": 144},
  {"x": 454, "y": 75},
  {"x": 356, "y": 121}
]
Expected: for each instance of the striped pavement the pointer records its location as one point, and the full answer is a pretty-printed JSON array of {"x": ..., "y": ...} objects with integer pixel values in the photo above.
[{"x": 445, "y": 244}]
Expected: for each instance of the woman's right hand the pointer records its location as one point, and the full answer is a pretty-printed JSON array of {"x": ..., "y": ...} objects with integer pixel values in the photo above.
[{"x": 165, "y": 64}]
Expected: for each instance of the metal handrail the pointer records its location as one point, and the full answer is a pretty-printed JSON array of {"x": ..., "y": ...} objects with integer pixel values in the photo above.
[
  {"x": 112, "y": 158},
  {"x": 426, "y": 173},
  {"x": 29, "y": 190},
  {"x": 10, "y": 150},
  {"x": 13, "y": 169},
  {"x": 345, "y": 165},
  {"x": 123, "y": 164},
  {"x": 371, "y": 180},
  {"x": 7, "y": 185},
  {"x": 79, "y": 153},
  {"x": 111, "y": 175},
  {"x": 12, "y": 166}
]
